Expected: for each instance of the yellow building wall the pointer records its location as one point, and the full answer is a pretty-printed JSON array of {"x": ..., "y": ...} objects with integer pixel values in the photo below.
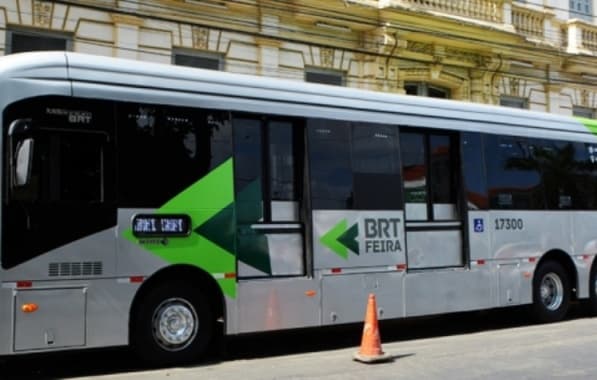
[{"x": 479, "y": 50}]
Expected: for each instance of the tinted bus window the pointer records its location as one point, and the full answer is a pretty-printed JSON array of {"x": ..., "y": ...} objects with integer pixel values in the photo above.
[
  {"x": 585, "y": 162},
  {"x": 513, "y": 174},
  {"x": 474, "y": 171},
  {"x": 68, "y": 192},
  {"x": 414, "y": 167},
  {"x": 442, "y": 172},
  {"x": 284, "y": 149},
  {"x": 331, "y": 173},
  {"x": 376, "y": 167},
  {"x": 162, "y": 150}
]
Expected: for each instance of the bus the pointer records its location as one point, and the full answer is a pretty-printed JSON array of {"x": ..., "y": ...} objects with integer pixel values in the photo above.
[{"x": 162, "y": 207}]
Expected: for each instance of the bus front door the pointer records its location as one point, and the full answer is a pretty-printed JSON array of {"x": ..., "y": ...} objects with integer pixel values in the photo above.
[{"x": 268, "y": 161}]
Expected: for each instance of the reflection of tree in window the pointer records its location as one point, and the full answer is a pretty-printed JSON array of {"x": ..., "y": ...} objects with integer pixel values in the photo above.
[
  {"x": 567, "y": 174},
  {"x": 512, "y": 184}
]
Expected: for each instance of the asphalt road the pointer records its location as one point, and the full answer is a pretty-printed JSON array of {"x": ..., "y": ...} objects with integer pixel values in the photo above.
[{"x": 500, "y": 344}]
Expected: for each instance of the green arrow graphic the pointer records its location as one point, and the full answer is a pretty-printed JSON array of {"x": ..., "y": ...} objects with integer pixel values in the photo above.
[
  {"x": 340, "y": 239},
  {"x": 330, "y": 239},
  {"x": 349, "y": 238}
]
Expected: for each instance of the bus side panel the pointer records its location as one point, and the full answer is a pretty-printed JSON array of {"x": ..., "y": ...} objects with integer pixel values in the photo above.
[
  {"x": 345, "y": 296},
  {"x": 521, "y": 238},
  {"x": 6, "y": 320},
  {"x": 448, "y": 290},
  {"x": 585, "y": 248},
  {"x": 283, "y": 303},
  {"x": 107, "y": 314}
]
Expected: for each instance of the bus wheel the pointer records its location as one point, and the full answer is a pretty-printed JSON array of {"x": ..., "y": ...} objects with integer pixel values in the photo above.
[
  {"x": 173, "y": 325},
  {"x": 592, "y": 303},
  {"x": 551, "y": 293}
]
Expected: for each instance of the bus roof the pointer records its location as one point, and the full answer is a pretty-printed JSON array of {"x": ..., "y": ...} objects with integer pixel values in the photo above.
[{"x": 88, "y": 71}]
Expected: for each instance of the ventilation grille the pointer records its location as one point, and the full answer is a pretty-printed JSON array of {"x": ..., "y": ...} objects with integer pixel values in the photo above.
[{"x": 90, "y": 268}]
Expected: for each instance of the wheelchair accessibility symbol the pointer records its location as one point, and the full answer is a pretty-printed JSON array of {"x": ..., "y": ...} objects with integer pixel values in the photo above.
[{"x": 478, "y": 225}]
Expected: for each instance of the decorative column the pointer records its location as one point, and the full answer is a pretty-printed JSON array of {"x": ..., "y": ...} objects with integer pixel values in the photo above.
[
  {"x": 384, "y": 70},
  {"x": 126, "y": 35},
  {"x": 553, "y": 98},
  {"x": 269, "y": 46},
  {"x": 485, "y": 79}
]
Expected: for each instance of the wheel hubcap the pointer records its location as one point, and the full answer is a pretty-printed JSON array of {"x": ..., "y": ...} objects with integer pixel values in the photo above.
[
  {"x": 175, "y": 324},
  {"x": 552, "y": 291}
]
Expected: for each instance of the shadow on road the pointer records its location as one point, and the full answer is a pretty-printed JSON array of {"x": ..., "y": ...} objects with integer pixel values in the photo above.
[{"x": 65, "y": 365}]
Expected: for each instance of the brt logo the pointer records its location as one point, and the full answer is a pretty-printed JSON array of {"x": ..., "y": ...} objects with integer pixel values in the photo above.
[{"x": 381, "y": 236}]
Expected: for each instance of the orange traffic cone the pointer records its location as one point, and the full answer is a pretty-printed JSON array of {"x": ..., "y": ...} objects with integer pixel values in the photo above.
[{"x": 370, "y": 351}]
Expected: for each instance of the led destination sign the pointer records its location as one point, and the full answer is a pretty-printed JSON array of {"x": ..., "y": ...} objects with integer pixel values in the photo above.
[{"x": 146, "y": 225}]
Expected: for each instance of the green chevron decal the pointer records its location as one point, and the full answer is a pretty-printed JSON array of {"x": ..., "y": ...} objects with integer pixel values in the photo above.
[
  {"x": 210, "y": 204},
  {"x": 340, "y": 239},
  {"x": 349, "y": 238},
  {"x": 252, "y": 246},
  {"x": 590, "y": 124}
]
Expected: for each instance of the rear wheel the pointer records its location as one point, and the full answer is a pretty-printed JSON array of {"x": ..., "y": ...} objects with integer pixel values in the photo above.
[
  {"x": 551, "y": 293},
  {"x": 172, "y": 325}
]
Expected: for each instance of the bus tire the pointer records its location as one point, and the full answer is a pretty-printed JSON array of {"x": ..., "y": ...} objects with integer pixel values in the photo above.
[
  {"x": 592, "y": 302},
  {"x": 551, "y": 293},
  {"x": 173, "y": 324}
]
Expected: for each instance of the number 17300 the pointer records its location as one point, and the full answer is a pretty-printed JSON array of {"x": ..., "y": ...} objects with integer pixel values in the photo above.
[{"x": 509, "y": 224}]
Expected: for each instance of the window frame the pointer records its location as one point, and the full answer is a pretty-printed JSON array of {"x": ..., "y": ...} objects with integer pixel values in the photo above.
[
  {"x": 431, "y": 180},
  {"x": 192, "y": 54},
  {"x": 265, "y": 170},
  {"x": 36, "y": 33},
  {"x": 585, "y": 14},
  {"x": 514, "y": 102},
  {"x": 581, "y": 111},
  {"x": 322, "y": 73},
  {"x": 424, "y": 88}
]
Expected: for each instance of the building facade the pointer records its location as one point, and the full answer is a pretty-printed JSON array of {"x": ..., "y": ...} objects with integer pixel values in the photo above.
[{"x": 539, "y": 54}]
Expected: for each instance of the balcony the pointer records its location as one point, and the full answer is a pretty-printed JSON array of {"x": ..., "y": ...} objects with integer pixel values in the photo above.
[
  {"x": 530, "y": 22},
  {"x": 580, "y": 37},
  {"x": 483, "y": 10}
]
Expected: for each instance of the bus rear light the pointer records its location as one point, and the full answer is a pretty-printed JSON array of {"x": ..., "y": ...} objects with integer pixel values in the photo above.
[
  {"x": 29, "y": 307},
  {"x": 24, "y": 284}
]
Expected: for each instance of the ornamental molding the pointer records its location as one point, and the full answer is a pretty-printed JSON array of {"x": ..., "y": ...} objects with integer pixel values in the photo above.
[{"x": 42, "y": 14}]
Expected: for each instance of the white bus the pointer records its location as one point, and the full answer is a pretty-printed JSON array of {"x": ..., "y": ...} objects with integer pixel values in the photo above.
[{"x": 153, "y": 205}]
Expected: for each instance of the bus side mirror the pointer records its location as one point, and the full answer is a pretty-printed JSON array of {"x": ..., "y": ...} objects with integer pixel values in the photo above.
[{"x": 23, "y": 160}]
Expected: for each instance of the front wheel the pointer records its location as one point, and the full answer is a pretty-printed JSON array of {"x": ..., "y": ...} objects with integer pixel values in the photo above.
[
  {"x": 172, "y": 325},
  {"x": 551, "y": 293}
]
